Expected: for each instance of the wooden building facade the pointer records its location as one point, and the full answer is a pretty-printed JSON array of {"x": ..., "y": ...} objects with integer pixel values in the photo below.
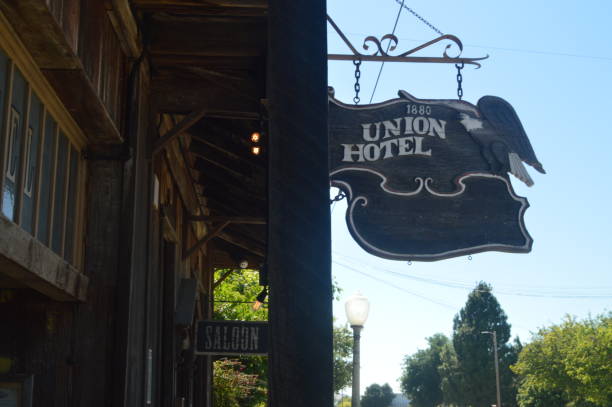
[{"x": 128, "y": 175}]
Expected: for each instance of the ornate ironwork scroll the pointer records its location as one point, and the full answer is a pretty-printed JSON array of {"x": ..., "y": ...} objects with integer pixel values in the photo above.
[{"x": 380, "y": 54}]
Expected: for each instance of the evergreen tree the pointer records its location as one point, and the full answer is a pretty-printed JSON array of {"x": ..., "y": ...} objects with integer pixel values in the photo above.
[{"x": 475, "y": 370}]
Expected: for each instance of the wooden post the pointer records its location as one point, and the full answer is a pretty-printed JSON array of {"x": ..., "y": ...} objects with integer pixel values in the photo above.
[{"x": 299, "y": 254}]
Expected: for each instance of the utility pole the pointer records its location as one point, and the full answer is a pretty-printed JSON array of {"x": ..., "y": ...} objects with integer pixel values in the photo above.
[{"x": 496, "y": 360}]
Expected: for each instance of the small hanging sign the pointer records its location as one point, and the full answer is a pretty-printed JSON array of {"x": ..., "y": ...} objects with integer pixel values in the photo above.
[
  {"x": 428, "y": 179},
  {"x": 231, "y": 338}
]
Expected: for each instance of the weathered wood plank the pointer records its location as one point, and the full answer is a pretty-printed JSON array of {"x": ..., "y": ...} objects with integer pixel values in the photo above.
[
  {"x": 25, "y": 259},
  {"x": 47, "y": 43},
  {"x": 83, "y": 102}
]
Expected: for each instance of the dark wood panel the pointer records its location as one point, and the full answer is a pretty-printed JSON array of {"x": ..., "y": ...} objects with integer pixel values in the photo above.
[
  {"x": 175, "y": 94},
  {"x": 83, "y": 102},
  {"x": 95, "y": 320},
  {"x": 214, "y": 36},
  {"x": 299, "y": 241},
  {"x": 39, "y": 341}
]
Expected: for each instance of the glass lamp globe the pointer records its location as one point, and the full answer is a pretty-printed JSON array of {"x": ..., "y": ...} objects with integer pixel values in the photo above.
[{"x": 357, "y": 307}]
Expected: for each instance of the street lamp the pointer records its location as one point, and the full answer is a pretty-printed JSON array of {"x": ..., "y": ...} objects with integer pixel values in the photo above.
[
  {"x": 494, "y": 334},
  {"x": 357, "y": 307}
]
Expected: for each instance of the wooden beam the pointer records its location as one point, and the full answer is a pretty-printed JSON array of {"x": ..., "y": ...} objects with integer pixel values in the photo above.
[
  {"x": 242, "y": 243},
  {"x": 179, "y": 129},
  {"x": 222, "y": 278},
  {"x": 213, "y": 233},
  {"x": 207, "y": 36},
  {"x": 176, "y": 94},
  {"x": 231, "y": 219},
  {"x": 25, "y": 260},
  {"x": 197, "y": 5},
  {"x": 299, "y": 239},
  {"x": 123, "y": 22}
]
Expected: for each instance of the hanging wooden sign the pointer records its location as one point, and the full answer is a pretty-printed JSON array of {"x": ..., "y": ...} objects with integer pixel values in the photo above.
[
  {"x": 428, "y": 179},
  {"x": 231, "y": 338}
]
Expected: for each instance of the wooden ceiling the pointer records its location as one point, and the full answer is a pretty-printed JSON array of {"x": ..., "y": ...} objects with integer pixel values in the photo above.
[{"x": 211, "y": 54}]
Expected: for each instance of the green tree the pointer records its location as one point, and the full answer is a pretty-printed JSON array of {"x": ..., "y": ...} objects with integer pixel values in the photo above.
[
  {"x": 235, "y": 295},
  {"x": 421, "y": 379},
  {"x": 377, "y": 396},
  {"x": 475, "y": 373},
  {"x": 343, "y": 358},
  {"x": 568, "y": 364},
  {"x": 234, "y": 298},
  {"x": 232, "y": 386}
]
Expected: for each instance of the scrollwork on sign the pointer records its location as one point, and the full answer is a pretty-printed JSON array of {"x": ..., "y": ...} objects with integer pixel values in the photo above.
[{"x": 380, "y": 54}]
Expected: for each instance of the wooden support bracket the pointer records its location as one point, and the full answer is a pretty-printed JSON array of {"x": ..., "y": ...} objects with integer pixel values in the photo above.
[
  {"x": 181, "y": 127},
  {"x": 222, "y": 278},
  {"x": 214, "y": 233}
]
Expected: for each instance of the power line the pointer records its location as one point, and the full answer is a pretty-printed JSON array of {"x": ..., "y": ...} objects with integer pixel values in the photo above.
[
  {"x": 396, "y": 287},
  {"x": 382, "y": 65},
  {"x": 469, "y": 286}
]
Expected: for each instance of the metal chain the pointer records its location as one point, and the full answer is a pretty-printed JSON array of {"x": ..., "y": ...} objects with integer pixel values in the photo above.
[
  {"x": 459, "y": 80},
  {"x": 340, "y": 196},
  {"x": 414, "y": 13},
  {"x": 357, "y": 63}
]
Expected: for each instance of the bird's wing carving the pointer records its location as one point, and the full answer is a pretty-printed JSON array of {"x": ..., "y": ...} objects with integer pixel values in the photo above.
[{"x": 502, "y": 117}]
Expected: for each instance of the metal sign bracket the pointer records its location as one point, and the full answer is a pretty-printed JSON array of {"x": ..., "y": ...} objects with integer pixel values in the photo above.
[{"x": 381, "y": 55}]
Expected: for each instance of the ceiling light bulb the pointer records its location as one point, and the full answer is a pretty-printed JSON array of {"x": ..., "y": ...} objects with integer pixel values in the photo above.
[
  {"x": 255, "y": 137},
  {"x": 256, "y": 150}
]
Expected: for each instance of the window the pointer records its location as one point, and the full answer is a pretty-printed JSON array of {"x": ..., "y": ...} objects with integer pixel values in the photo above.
[{"x": 41, "y": 166}]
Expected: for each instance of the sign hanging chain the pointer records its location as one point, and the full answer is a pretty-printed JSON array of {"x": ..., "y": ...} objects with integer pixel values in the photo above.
[
  {"x": 357, "y": 63},
  {"x": 340, "y": 196},
  {"x": 459, "y": 80}
]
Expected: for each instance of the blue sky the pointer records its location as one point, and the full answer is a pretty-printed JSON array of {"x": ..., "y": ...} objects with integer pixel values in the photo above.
[{"x": 553, "y": 62}]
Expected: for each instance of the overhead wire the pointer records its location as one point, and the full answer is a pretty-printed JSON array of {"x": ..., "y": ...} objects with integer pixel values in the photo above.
[
  {"x": 382, "y": 65},
  {"x": 469, "y": 286},
  {"x": 434, "y": 301}
]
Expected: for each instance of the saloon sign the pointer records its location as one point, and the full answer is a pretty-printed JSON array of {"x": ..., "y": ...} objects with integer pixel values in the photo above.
[
  {"x": 231, "y": 338},
  {"x": 428, "y": 179}
]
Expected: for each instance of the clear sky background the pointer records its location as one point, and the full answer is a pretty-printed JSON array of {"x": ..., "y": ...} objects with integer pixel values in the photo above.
[{"x": 552, "y": 60}]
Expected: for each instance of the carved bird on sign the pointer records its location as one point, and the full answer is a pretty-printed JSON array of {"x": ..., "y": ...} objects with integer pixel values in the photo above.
[{"x": 501, "y": 137}]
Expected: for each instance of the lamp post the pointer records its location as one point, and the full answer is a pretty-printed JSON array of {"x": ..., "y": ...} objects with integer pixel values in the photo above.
[
  {"x": 496, "y": 360},
  {"x": 357, "y": 307}
]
